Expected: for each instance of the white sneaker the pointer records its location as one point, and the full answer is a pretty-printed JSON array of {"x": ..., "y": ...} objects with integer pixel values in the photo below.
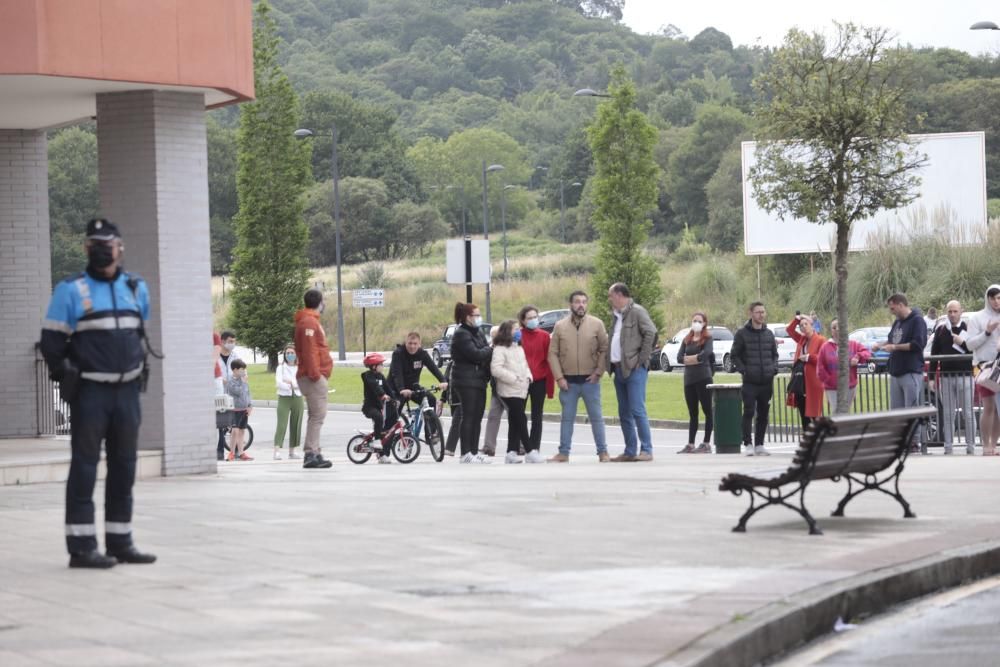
[
  {"x": 292, "y": 454},
  {"x": 468, "y": 458},
  {"x": 760, "y": 451},
  {"x": 480, "y": 458},
  {"x": 277, "y": 455},
  {"x": 534, "y": 456},
  {"x": 748, "y": 450},
  {"x": 384, "y": 459},
  {"x": 512, "y": 457}
]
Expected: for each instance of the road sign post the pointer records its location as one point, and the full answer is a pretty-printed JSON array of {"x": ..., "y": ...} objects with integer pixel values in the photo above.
[{"x": 365, "y": 299}]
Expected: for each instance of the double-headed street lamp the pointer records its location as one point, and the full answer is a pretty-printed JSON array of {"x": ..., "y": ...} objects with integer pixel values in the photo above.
[
  {"x": 486, "y": 227},
  {"x": 302, "y": 134},
  {"x": 562, "y": 204}
]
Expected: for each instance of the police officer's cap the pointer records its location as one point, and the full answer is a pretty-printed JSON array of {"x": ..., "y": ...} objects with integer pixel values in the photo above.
[{"x": 100, "y": 229}]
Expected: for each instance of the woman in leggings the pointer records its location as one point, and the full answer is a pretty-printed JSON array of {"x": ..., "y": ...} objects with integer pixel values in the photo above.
[
  {"x": 696, "y": 357},
  {"x": 470, "y": 373}
]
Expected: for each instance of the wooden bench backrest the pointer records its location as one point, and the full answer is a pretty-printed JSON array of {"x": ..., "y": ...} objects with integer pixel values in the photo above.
[{"x": 863, "y": 443}]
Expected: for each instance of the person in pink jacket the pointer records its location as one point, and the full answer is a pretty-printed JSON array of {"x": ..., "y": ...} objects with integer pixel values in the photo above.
[{"x": 826, "y": 367}]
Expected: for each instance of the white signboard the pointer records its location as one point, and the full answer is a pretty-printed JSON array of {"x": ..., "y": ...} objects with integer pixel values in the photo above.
[
  {"x": 368, "y": 298},
  {"x": 455, "y": 262},
  {"x": 952, "y": 188}
]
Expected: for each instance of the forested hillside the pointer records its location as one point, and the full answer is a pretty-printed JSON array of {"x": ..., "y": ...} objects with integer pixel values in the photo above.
[{"x": 424, "y": 91}]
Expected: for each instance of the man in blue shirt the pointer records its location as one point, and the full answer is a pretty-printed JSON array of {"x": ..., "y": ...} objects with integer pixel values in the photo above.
[
  {"x": 92, "y": 341},
  {"x": 907, "y": 339}
]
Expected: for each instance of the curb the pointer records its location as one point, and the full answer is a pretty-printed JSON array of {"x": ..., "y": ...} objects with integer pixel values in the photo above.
[
  {"x": 790, "y": 622},
  {"x": 548, "y": 416}
]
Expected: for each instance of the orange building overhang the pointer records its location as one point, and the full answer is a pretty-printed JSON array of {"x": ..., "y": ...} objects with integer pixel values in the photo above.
[{"x": 57, "y": 55}]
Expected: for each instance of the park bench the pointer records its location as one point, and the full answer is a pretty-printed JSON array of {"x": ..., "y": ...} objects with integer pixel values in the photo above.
[{"x": 854, "y": 447}]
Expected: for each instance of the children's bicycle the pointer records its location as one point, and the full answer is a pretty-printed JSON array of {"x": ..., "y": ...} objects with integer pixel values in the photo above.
[
  {"x": 405, "y": 448},
  {"x": 224, "y": 418},
  {"x": 424, "y": 421}
]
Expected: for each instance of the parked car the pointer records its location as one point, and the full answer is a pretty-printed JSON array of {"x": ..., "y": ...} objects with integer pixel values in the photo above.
[
  {"x": 547, "y": 319},
  {"x": 785, "y": 343},
  {"x": 722, "y": 344},
  {"x": 441, "y": 348},
  {"x": 868, "y": 336}
]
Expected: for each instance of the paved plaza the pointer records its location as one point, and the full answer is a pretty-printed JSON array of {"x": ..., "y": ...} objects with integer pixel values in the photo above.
[{"x": 445, "y": 564}]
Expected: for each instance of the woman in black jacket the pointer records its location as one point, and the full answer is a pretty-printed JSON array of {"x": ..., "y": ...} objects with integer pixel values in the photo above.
[
  {"x": 470, "y": 373},
  {"x": 695, "y": 354}
]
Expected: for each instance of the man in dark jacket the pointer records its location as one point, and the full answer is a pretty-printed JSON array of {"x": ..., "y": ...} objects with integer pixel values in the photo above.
[
  {"x": 408, "y": 362},
  {"x": 905, "y": 346},
  {"x": 755, "y": 355},
  {"x": 954, "y": 377}
]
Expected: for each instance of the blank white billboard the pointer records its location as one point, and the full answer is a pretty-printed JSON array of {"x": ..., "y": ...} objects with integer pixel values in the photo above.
[{"x": 952, "y": 184}]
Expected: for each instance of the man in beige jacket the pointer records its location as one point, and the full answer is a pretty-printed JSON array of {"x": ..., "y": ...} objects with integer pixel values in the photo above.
[{"x": 578, "y": 358}]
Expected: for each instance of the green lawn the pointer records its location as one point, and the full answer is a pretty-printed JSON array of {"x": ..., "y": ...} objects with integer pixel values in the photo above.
[{"x": 664, "y": 393}]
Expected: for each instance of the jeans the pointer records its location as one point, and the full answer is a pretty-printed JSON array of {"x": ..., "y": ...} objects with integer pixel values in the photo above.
[
  {"x": 570, "y": 399},
  {"x": 756, "y": 400},
  {"x": 956, "y": 392},
  {"x": 631, "y": 392},
  {"x": 906, "y": 391}
]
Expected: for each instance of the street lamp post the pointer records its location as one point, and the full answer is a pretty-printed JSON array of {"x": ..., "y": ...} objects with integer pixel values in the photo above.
[
  {"x": 486, "y": 228},
  {"x": 302, "y": 134},
  {"x": 503, "y": 224}
]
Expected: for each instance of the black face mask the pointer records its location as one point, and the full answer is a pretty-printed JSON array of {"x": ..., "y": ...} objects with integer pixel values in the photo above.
[{"x": 101, "y": 256}]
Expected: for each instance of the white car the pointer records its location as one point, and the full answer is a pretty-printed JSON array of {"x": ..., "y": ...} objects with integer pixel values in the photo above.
[
  {"x": 722, "y": 344},
  {"x": 786, "y": 344}
]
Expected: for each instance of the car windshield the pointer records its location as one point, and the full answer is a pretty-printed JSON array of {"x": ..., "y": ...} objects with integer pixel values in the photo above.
[
  {"x": 722, "y": 334},
  {"x": 781, "y": 332}
]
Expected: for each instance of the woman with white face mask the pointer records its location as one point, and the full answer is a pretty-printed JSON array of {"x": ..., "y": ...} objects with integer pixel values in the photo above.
[
  {"x": 696, "y": 357},
  {"x": 290, "y": 404}
]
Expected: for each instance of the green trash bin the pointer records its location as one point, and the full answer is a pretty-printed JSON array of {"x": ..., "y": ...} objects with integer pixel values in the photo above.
[{"x": 727, "y": 406}]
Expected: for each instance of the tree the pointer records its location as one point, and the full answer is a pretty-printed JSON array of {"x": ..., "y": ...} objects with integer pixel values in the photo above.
[
  {"x": 623, "y": 190},
  {"x": 725, "y": 203},
  {"x": 222, "y": 199},
  {"x": 73, "y": 197},
  {"x": 832, "y": 139},
  {"x": 269, "y": 270}
]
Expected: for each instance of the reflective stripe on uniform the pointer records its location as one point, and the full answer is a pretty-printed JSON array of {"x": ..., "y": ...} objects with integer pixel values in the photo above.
[
  {"x": 118, "y": 527},
  {"x": 109, "y": 322},
  {"x": 112, "y": 377},
  {"x": 55, "y": 325},
  {"x": 81, "y": 530}
]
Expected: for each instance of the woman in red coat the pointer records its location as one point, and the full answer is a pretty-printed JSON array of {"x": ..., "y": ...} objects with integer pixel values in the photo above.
[
  {"x": 809, "y": 344},
  {"x": 535, "y": 342}
]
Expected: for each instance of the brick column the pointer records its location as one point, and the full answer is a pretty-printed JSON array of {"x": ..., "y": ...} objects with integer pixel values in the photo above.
[
  {"x": 153, "y": 172},
  {"x": 25, "y": 283}
]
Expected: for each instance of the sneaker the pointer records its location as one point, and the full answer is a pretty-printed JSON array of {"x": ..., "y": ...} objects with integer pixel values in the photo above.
[
  {"x": 748, "y": 450},
  {"x": 624, "y": 458},
  {"x": 644, "y": 456},
  {"x": 970, "y": 450},
  {"x": 688, "y": 449},
  {"x": 231, "y": 456},
  {"x": 384, "y": 459},
  {"x": 468, "y": 458},
  {"x": 220, "y": 456},
  {"x": 277, "y": 455},
  {"x": 559, "y": 458},
  {"x": 315, "y": 461},
  {"x": 703, "y": 448},
  {"x": 480, "y": 458},
  {"x": 948, "y": 451},
  {"x": 322, "y": 463},
  {"x": 602, "y": 457},
  {"x": 512, "y": 457},
  {"x": 292, "y": 454},
  {"x": 534, "y": 456},
  {"x": 245, "y": 457},
  {"x": 760, "y": 451}
]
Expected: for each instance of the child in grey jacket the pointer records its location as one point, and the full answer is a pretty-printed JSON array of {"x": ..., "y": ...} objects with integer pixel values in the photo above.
[{"x": 239, "y": 389}]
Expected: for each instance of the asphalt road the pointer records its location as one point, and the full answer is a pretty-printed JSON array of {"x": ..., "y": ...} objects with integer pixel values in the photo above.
[{"x": 957, "y": 628}]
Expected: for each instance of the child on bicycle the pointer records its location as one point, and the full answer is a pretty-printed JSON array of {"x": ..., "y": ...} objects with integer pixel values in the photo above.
[
  {"x": 379, "y": 405},
  {"x": 239, "y": 389}
]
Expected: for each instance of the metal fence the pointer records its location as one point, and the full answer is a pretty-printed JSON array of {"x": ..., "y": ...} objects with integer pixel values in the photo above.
[
  {"x": 53, "y": 412},
  {"x": 950, "y": 392}
]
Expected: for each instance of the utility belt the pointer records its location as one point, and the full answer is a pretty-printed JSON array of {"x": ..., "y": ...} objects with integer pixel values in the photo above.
[{"x": 113, "y": 378}]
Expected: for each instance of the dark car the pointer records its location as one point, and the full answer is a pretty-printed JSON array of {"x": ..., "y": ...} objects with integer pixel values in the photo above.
[
  {"x": 547, "y": 319},
  {"x": 441, "y": 349}
]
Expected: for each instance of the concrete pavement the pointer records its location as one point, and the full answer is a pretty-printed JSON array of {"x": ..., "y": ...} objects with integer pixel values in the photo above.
[{"x": 447, "y": 564}]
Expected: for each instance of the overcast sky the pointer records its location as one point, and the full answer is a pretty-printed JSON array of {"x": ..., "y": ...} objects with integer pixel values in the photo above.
[{"x": 928, "y": 23}]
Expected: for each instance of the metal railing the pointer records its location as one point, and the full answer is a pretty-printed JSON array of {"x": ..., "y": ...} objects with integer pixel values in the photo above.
[
  {"x": 951, "y": 392},
  {"x": 53, "y": 412}
]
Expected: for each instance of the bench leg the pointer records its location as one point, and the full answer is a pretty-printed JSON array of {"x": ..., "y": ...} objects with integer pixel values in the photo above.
[
  {"x": 871, "y": 482},
  {"x": 775, "y": 497}
]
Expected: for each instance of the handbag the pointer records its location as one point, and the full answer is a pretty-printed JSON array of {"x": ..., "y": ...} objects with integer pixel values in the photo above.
[{"x": 989, "y": 376}]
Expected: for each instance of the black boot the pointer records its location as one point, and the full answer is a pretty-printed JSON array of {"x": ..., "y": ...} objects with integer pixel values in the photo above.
[
  {"x": 91, "y": 559},
  {"x": 321, "y": 462},
  {"x": 131, "y": 555}
]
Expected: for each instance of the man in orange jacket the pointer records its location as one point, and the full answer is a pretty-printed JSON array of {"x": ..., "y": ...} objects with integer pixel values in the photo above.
[{"x": 315, "y": 366}]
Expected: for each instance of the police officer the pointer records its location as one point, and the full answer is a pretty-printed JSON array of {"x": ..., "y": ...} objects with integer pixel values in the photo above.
[{"x": 92, "y": 341}]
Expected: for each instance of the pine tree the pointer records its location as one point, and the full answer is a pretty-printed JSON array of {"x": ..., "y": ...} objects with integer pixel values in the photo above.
[
  {"x": 624, "y": 194},
  {"x": 270, "y": 269}
]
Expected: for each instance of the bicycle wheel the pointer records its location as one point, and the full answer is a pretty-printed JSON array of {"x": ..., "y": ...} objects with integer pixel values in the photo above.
[
  {"x": 248, "y": 438},
  {"x": 406, "y": 448},
  {"x": 358, "y": 450},
  {"x": 434, "y": 436}
]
